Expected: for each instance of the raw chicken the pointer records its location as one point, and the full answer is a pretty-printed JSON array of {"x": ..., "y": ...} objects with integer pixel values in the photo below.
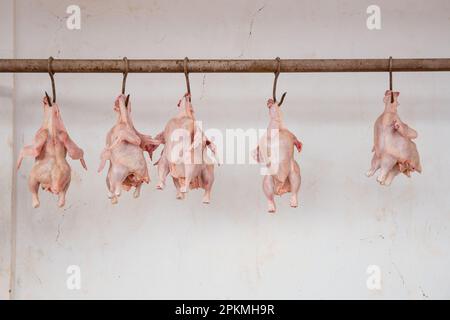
[
  {"x": 276, "y": 151},
  {"x": 394, "y": 151},
  {"x": 185, "y": 154},
  {"x": 50, "y": 147},
  {"x": 124, "y": 149}
]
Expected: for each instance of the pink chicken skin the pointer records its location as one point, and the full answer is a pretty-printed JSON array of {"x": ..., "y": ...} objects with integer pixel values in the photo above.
[
  {"x": 51, "y": 144},
  {"x": 187, "y": 160},
  {"x": 124, "y": 150},
  {"x": 394, "y": 151},
  {"x": 276, "y": 151}
]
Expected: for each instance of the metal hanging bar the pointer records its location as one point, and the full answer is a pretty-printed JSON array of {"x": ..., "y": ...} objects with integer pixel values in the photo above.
[{"x": 223, "y": 66}]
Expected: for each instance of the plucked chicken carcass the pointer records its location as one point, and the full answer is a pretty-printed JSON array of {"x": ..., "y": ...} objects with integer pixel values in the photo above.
[
  {"x": 124, "y": 150},
  {"x": 185, "y": 154},
  {"x": 394, "y": 151},
  {"x": 276, "y": 151},
  {"x": 51, "y": 145}
]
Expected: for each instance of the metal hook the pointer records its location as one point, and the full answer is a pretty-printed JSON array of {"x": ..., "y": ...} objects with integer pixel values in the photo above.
[
  {"x": 390, "y": 79},
  {"x": 277, "y": 73},
  {"x": 125, "y": 74},
  {"x": 48, "y": 99},
  {"x": 52, "y": 78},
  {"x": 186, "y": 75}
]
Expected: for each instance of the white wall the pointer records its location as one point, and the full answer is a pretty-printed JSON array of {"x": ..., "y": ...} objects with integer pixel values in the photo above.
[
  {"x": 7, "y": 221},
  {"x": 158, "y": 247}
]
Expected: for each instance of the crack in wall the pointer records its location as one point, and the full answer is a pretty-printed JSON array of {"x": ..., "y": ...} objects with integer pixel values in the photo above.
[
  {"x": 423, "y": 293},
  {"x": 252, "y": 21},
  {"x": 203, "y": 87},
  {"x": 399, "y": 273},
  {"x": 395, "y": 266},
  {"x": 370, "y": 238},
  {"x": 58, "y": 233}
]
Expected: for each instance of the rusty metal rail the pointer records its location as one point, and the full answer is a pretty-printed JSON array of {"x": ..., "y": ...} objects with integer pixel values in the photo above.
[{"x": 223, "y": 66}]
